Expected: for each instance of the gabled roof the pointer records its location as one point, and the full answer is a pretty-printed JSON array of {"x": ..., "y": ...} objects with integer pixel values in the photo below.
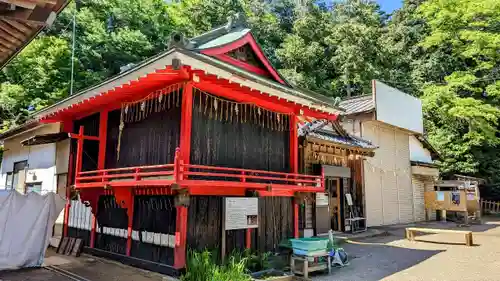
[
  {"x": 193, "y": 55},
  {"x": 333, "y": 132},
  {"x": 155, "y": 66},
  {"x": 222, "y": 41},
  {"x": 359, "y": 104}
]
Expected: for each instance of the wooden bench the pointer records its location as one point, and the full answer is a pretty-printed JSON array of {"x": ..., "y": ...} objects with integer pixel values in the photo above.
[{"x": 410, "y": 233}]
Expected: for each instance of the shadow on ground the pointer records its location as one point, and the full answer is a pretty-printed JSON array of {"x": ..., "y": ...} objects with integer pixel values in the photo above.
[
  {"x": 376, "y": 258},
  {"x": 372, "y": 259}
]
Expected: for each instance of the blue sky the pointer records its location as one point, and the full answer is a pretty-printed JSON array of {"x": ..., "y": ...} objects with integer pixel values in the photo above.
[{"x": 389, "y": 5}]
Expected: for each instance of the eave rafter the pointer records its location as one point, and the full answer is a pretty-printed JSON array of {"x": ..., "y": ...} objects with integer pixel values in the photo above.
[{"x": 21, "y": 20}]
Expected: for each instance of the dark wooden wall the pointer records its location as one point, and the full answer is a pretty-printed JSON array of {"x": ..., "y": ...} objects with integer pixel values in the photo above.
[
  {"x": 231, "y": 143},
  {"x": 151, "y": 141},
  {"x": 205, "y": 225}
]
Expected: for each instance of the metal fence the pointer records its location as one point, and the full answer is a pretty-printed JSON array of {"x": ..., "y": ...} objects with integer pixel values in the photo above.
[{"x": 153, "y": 228}]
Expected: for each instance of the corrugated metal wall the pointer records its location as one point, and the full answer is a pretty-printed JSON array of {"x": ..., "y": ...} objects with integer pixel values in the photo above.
[
  {"x": 420, "y": 185},
  {"x": 388, "y": 189}
]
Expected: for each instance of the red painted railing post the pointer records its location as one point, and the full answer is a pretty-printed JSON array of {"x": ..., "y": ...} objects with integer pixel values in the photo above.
[
  {"x": 248, "y": 240},
  {"x": 79, "y": 154},
  {"x": 177, "y": 164}
]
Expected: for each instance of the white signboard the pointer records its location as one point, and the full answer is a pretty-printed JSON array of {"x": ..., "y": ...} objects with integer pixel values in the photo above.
[
  {"x": 241, "y": 212},
  {"x": 398, "y": 109},
  {"x": 321, "y": 199}
]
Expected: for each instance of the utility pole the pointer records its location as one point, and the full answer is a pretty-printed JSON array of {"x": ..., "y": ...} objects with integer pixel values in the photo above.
[{"x": 73, "y": 56}]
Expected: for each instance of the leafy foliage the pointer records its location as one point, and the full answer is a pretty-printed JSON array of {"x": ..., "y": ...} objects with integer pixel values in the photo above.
[
  {"x": 202, "y": 267},
  {"x": 447, "y": 52}
]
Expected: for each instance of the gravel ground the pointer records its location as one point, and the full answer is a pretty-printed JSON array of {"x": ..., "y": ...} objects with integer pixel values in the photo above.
[{"x": 394, "y": 258}]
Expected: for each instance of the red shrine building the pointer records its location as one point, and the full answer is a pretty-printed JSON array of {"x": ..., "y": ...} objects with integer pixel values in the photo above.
[{"x": 156, "y": 149}]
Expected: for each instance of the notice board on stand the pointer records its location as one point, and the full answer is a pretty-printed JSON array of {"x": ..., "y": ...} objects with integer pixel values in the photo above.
[
  {"x": 238, "y": 213},
  {"x": 241, "y": 213}
]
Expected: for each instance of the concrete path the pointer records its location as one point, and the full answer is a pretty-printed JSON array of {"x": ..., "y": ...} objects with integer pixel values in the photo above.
[{"x": 441, "y": 257}]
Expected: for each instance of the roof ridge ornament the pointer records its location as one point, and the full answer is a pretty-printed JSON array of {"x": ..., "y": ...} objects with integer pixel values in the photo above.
[
  {"x": 236, "y": 20},
  {"x": 177, "y": 39}
]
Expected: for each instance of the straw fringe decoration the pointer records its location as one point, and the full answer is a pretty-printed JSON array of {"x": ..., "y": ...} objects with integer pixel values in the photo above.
[
  {"x": 228, "y": 111},
  {"x": 157, "y": 101}
]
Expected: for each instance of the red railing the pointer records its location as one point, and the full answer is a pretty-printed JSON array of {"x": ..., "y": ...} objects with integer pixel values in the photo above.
[
  {"x": 157, "y": 175},
  {"x": 190, "y": 175}
]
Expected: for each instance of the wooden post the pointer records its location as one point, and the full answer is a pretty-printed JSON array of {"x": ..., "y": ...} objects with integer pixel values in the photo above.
[
  {"x": 295, "y": 218},
  {"x": 223, "y": 232},
  {"x": 248, "y": 240},
  {"x": 443, "y": 215},
  {"x": 294, "y": 147},
  {"x": 93, "y": 229}
]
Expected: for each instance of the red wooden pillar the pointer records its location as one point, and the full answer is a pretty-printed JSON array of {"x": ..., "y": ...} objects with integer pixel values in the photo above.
[
  {"x": 180, "y": 237},
  {"x": 294, "y": 166},
  {"x": 130, "y": 214},
  {"x": 185, "y": 153},
  {"x": 101, "y": 160},
  {"x": 103, "y": 129},
  {"x": 186, "y": 122}
]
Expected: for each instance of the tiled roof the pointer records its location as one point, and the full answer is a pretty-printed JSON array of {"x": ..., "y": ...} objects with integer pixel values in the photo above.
[
  {"x": 227, "y": 38},
  {"x": 349, "y": 140},
  {"x": 359, "y": 104},
  {"x": 332, "y": 132}
]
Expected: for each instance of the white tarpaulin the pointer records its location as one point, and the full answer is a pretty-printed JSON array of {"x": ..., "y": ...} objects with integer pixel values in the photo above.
[{"x": 26, "y": 223}]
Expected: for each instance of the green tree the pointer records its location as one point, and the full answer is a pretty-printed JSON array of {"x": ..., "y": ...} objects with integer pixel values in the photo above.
[
  {"x": 335, "y": 50},
  {"x": 462, "y": 113}
]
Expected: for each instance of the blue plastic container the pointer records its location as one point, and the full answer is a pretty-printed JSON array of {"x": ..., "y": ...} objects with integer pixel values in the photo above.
[{"x": 310, "y": 244}]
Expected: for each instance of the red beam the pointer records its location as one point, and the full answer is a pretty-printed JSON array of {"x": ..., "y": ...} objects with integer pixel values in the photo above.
[
  {"x": 240, "y": 95},
  {"x": 80, "y": 136},
  {"x": 180, "y": 237},
  {"x": 186, "y": 122},
  {"x": 276, "y": 193},
  {"x": 261, "y": 99},
  {"x": 226, "y": 191}
]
